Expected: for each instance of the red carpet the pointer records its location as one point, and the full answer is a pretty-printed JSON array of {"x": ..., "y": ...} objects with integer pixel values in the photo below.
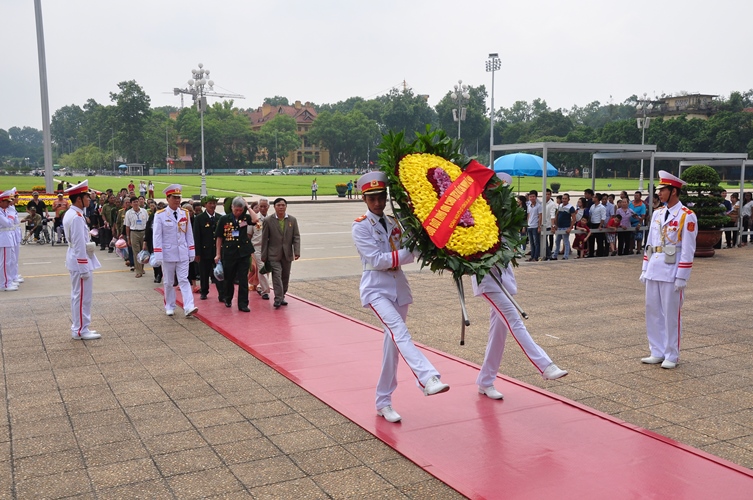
[{"x": 530, "y": 445}]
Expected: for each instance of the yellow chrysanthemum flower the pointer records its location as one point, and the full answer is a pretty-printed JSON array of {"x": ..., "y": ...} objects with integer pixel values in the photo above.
[{"x": 482, "y": 236}]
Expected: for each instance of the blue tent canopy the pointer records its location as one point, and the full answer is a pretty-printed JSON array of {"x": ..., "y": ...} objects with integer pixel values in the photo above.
[
  {"x": 123, "y": 167},
  {"x": 523, "y": 164}
]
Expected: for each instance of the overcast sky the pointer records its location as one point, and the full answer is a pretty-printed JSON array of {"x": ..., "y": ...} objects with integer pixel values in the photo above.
[{"x": 325, "y": 51}]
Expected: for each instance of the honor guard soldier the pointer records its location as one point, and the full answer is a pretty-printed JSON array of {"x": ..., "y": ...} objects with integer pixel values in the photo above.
[
  {"x": 505, "y": 318},
  {"x": 17, "y": 235},
  {"x": 7, "y": 243},
  {"x": 80, "y": 261},
  {"x": 667, "y": 262},
  {"x": 174, "y": 249},
  {"x": 384, "y": 288},
  {"x": 204, "y": 226}
]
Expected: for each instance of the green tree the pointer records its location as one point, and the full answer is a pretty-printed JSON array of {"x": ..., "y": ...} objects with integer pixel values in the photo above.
[
  {"x": 346, "y": 136},
  {"x": 475, "y": 127},
  {"x": 132, "y": 113},
  {"x": 65, "y": 125},
  {"x": 279, "y": 137},
  {"x": 88, "y": 157},
  {"x": 406, "y": 112},
  {"x": 277, "y": 101}
]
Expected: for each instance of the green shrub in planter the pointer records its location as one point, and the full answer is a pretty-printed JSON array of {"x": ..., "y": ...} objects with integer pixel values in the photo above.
[
  {"x": 733, "y": 182},
  {"x": 701, "y": 195},
  {"x": 555, "y": 187}
]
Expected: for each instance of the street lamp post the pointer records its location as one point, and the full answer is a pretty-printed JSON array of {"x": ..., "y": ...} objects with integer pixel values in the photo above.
[
  {"x": 492, "y": 64},
  {"x": 459, "y": 95},
  {"x": 197, "y": 88},
  {"x": 645, "y": 106}
]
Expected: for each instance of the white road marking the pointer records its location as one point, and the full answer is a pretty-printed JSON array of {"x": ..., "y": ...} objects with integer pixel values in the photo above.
[
  {"x": 551, "y": 336},
  {"x": 35, "y": 263}
]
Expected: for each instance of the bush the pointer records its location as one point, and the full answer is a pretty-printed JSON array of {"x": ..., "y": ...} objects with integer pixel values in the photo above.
[
  {"x": 555, "y": 187},
  {"x": 701, "y": 195},
  {"x": 733, "y": 182},
  {"x": 41, "y": 189}
]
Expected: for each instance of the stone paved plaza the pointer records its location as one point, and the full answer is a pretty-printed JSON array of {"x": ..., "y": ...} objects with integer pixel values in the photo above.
[{"x": 168, "y": 408}]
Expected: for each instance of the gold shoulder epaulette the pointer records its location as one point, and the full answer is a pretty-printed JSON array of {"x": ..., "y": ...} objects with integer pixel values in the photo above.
[
  {"x": 361, "y": 218},
  {"x": 687, "y": 210},
  {"x": 160, "y": 211}
]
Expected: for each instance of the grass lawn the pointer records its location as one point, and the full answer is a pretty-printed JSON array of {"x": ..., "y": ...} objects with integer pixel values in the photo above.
[
  {"x": 300, "y": 185},
  {"x": 218, "y": 185}
]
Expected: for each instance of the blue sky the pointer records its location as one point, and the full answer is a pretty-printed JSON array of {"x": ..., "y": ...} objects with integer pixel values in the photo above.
[{"x": 325, "y": 51}]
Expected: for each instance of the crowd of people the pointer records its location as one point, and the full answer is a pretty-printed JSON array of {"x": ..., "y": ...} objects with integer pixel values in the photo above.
[{"x": 598, "y": 225}]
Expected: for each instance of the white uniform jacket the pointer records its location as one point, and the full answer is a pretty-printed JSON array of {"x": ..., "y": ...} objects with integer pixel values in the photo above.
[
  {"x": 381, "y": 257},
  {"x": 680, "y": 229},
  {"x": 7, "y": 229},
  {"x": 77, "y": 234},
  {"x": 17, "y": 221},
  {"x": 488, "y": 285},
  {"x": 173, "y": 239}
]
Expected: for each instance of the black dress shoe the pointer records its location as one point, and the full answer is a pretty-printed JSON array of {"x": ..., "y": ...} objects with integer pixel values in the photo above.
[
  {"x": 277, "y": 304},
  {"x": 203, "y": 296},
  {"x": 244, "y": 309},
  {"x": 221, "y": 299},
  {"x": 265, "y": 296},
  {"x": 228, "y": 304},
  {"x": 283, "y": 303}
]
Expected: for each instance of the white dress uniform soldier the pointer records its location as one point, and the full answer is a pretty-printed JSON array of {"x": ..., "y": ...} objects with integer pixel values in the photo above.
[
  {"x": 505, "y": 318},
  {"x": 7, "y": 243},
  {"x": 174, "y": 248},
  {"x": 384, "y": 288},
  {"x": 19, "y": 234},
  {"x": 667, "y": 262},
  {"x": 80, "y": 261}
]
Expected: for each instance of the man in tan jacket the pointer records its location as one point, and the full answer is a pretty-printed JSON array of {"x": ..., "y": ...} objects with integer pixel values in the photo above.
[{"x": 280, "y": 246}]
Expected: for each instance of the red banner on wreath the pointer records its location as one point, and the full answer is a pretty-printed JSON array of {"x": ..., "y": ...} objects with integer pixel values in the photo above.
[{"x": 445, "y": 216}]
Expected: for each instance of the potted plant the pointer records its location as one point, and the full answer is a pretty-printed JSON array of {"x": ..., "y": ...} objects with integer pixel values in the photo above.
[
  {"x": 555, "y": 187},
  {"x": 341, "y": 189},
  {"x": 701, "y": 195}
]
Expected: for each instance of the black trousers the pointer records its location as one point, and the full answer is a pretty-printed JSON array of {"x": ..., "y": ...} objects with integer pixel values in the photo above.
[
  {"x": 236, "y": 266},
  {"x": 206, "y": 273},
  {"x": 624, "y": 240},
  {"x": 597, "y": 240}
]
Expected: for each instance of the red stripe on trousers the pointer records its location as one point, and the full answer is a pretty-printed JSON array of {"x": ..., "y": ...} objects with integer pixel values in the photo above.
[
  {"x": 392, "y": 335},
  {"x": 81, "y": 307},
  {"x": 511, "y": 332}
]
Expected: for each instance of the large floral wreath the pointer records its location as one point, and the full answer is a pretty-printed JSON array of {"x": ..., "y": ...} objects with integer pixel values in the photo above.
[{"x": 485, "y": 234}]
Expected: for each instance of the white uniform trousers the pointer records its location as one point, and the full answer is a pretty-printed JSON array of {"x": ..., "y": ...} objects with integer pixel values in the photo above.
[
  {"x": 6, "y": 259},
  {"x": 397, "y": 340},
  {"x": 504, "y": 318},
  {"x": 81, "y": 303},
  {"x": 663, "y": 321},
  {"x": 168, "y": 276},
  {"x": 14, "y": 262}
]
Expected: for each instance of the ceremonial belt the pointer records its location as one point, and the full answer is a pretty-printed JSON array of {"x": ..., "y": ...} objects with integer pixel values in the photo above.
[
  {"x": 369, "y": 267},
  {"x": 8, "y": 228},
  {"x": 658, "y": 249}
]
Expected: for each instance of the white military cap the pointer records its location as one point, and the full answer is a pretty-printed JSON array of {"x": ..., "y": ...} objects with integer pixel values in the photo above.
[
  {"x": 667, "y": 179},
  {"x": 504, "y": 177},
  {"x": 81, "y": 187},
  {"x": 172, "y": 189},
  {"x": 372, "y": 183}
]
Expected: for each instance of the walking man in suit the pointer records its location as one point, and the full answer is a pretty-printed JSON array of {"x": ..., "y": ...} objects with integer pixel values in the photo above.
[
  {"x": 280, "y": 246},
  {"x": 204, "y": 226}
]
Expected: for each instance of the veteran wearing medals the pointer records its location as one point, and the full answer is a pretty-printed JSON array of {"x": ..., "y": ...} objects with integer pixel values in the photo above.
[
  {"x": 80, "y": 260},
  {"x": 667, "y": 262},
  {"x": 234, "y": 249},
  {"x": 384, "y": 288},
  {"x": 174, "y": 249},
  {"x": 505, "y": 318}
]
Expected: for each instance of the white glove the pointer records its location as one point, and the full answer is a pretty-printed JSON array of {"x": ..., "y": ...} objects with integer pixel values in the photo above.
[
  {"x": 643, "y": 277},
  {"x": 680, "y": 284},
  {"x": 157, "y": 263},
  {"x": 85, "y": 276}
]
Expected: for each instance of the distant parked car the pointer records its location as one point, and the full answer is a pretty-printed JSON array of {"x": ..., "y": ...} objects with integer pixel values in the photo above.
[
  {"x": 276, "y": 171},
  {"x": 333, "y": 171},
  {"x": 293, "y": 171},
  {"x": 242, "y": 171}
]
